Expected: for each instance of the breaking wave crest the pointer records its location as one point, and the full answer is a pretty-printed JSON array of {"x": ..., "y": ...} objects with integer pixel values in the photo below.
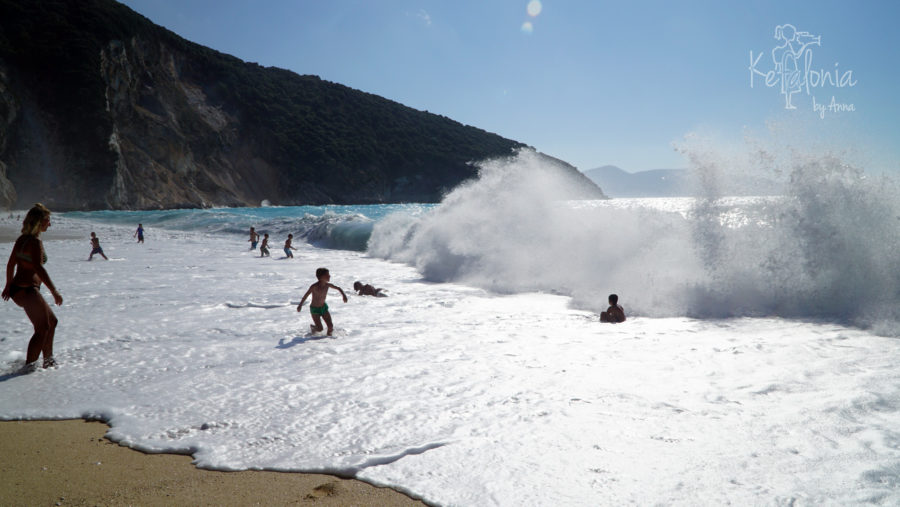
[
  {"x": 824, "y": 249},
  {"x": 335, "y": 227}
]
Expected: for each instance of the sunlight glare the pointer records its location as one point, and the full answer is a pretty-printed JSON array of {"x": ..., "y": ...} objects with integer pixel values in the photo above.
[{"x": 534, "y": 8}]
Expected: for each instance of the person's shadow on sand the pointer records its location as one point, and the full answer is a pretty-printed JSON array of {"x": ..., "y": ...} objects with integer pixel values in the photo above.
[
  {"x": 13, "y": 374},
  {"x": 299, "y": 340}
]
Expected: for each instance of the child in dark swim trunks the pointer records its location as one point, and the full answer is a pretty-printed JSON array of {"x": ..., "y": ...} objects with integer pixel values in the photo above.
[
  {"x": 318, "y": 309},
  {"x": 615, "y": 313},
  {"x": 95, "y": 247}
]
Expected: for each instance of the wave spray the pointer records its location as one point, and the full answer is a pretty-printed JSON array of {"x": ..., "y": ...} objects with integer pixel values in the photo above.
[{"x": 825, "y": 248}]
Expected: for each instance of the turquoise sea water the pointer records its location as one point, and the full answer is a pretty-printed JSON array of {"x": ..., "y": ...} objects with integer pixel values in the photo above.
[{"x": 338, "y": 227}]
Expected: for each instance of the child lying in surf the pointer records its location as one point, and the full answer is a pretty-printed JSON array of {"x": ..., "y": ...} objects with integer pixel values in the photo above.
[{"x": 368, "y": 290}]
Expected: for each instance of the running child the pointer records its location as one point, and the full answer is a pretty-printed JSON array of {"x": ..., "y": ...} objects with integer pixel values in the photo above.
[
  {"x": 95, "y": 247},
  {"x": 139, "y": 233},
  {"x": 318, "y": 309}
]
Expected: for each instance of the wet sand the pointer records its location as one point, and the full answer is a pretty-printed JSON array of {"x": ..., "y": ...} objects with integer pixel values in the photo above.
[{"x": 71, "y": 463}]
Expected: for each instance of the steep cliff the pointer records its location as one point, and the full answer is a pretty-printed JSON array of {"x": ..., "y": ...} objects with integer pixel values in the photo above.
[
  {"x": 100, "y": 108},
  {"x": 8, "y": 111}
]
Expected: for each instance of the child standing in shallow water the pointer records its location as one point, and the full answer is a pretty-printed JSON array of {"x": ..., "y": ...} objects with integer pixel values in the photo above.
[
  {"x": 254, "y": 238},
  {"x": 95, "y": 247},
  {"x": 264, "y": 248},
  {"x": 318, "y": 309},
  {"x": 288, "y": 247}
]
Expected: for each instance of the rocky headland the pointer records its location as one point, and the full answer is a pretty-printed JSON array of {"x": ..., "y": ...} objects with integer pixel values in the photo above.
[{"x": 102, "y": 109}]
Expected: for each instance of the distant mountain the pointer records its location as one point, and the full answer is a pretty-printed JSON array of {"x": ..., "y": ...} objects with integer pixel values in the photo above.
[
  {"x": 679, "y": 183},
  {"x": 101, "y": 108},
  {"x": 616, "y": 182}
]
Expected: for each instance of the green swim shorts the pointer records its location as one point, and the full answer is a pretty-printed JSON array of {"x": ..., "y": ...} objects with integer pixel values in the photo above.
[{"x": 319, "y": 310}]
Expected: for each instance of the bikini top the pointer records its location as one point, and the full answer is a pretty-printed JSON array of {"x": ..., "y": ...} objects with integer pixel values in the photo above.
[{"x": 27, "y": 257}]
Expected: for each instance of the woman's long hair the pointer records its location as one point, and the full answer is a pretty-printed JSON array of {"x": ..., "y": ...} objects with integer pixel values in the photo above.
[{"x": 32, "y": 223}]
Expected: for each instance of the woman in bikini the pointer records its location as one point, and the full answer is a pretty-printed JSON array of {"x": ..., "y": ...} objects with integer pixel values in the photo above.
[{"x": 26, "y": 261}]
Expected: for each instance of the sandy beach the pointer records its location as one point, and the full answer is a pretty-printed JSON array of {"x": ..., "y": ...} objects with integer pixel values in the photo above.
[
  {"x": 71, "y": 463},
  {"x": 10, "y": 230}
]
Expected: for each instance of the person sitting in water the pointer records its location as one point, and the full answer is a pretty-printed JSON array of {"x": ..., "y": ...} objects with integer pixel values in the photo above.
[
  {"x": 615, "y": 313},
  {"x": 368, "y": 290}
]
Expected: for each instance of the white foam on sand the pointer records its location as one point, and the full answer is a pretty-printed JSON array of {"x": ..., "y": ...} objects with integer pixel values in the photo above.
[{"x": 463, "y": 397}]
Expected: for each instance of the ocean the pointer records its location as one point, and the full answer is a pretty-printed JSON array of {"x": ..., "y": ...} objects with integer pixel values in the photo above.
[{"x": 757, "y": 364}]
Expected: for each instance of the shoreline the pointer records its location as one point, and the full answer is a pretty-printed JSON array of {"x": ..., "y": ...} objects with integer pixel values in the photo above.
[
  {"x": 71, "y": 462},
  {"x": 10, "y": 232}
]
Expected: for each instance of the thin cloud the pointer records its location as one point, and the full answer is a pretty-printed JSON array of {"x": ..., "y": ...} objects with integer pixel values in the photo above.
[{"x": 424, "y": 16}]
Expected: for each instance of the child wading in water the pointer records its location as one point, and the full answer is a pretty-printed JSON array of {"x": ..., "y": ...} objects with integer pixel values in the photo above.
[
  {"x": 288, "y": 247},
  {"x": 254, "y": 238},
  {"x": 95, "y": 247},
  {"x": 264, "y": 248},
  {"x": 318, "y": 309}
]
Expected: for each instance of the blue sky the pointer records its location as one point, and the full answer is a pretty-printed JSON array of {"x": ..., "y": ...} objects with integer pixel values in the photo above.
[{"x": 590, "y": 82}]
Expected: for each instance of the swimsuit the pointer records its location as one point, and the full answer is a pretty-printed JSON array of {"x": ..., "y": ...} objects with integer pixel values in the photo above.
[
  {"x": 287, "y": 251},
  {"x": 253, "y": 245},
  {"x": 27, "y": 257},
  {"x": 319, "y": 310},
  {"x": 15, "y": 289},
  {"x": 97, "y": 250}
]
